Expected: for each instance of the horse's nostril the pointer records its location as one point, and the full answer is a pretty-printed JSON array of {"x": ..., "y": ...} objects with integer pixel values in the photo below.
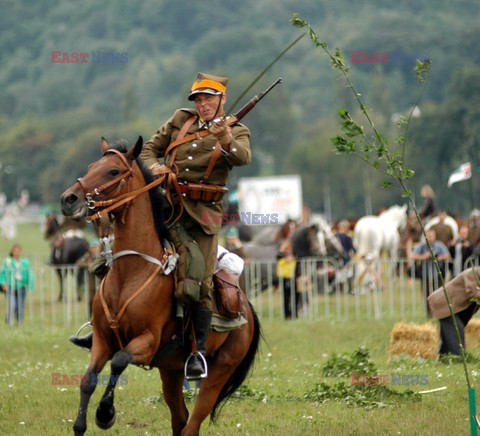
[{"x": 71, "y": 199}]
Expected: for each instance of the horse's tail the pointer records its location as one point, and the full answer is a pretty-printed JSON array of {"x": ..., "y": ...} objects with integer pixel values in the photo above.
[{"x": 241, "y": 371}]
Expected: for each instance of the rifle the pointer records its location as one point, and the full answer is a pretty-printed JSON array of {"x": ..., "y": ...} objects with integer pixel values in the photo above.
[{"x": 250, "y": 105}]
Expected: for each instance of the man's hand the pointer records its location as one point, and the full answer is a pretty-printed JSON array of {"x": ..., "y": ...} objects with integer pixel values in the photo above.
[
  {"x": 223, "y": 133},
  {"x": 158, "y": 169}
]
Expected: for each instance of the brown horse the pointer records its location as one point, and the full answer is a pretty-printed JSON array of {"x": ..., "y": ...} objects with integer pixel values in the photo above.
[{"x": 117, "y": 185}]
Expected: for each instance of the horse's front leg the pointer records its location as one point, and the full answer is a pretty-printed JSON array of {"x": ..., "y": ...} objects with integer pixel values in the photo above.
[
  {"x": 172, "y": 384},
  {"x": 138, "y": 351},
  {"x": 100, "y": 355},
  {"x": 105, "y": 416}
]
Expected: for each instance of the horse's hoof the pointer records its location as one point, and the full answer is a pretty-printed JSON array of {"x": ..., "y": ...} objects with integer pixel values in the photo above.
[
  {"x": 79, "y": 430},
  {"x": 105, "y": 425}
]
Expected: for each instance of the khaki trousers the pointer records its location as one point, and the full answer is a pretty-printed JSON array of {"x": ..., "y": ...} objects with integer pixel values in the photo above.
[{"x": 208, "y": 246}]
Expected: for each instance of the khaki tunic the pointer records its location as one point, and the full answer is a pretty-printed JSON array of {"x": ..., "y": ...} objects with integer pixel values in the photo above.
[
  {"x": 201, "y": 220},
  {"x": 460, "y": 290},
  {"x": 192, "y": 161}
]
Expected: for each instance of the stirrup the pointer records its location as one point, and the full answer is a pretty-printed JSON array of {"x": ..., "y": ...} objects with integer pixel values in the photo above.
[
  {"x": 204, "y": 361},
  {"x": 83, "y": 326}
]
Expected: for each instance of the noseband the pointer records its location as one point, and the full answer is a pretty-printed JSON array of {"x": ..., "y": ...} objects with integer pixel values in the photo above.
[{"x": 93, "y": 204}]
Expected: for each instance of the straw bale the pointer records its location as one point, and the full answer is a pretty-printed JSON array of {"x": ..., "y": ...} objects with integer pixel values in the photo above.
[
  {"x": 416, "y": 340},
  {"x": 472, "y": 334}
]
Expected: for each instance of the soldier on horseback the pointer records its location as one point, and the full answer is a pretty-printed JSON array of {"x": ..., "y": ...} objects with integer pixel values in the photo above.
[
  {"x": 194, "y": 151},
  {"x": 202, "y": 167}
]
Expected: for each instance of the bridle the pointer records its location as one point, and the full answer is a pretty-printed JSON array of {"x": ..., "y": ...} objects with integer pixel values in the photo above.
[
  {"x": 104, "y": 207},
  {"x": 102, "y": 217}
]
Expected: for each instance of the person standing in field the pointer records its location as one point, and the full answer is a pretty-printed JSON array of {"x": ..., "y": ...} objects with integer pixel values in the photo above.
[
  {"x": 16, "y": 277},
  {"x": 286, "y": 266},
  {"x": 428, "y": 207}
]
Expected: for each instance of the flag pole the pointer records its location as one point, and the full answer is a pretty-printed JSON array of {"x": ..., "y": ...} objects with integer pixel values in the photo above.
[{"x": 472, "y": 199}]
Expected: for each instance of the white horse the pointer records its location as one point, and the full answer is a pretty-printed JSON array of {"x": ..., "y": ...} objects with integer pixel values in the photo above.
[{"x": 374, "y": 234}]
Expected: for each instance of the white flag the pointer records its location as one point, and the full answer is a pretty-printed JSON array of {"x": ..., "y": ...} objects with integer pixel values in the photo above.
[{"x": 463, "y": 172}]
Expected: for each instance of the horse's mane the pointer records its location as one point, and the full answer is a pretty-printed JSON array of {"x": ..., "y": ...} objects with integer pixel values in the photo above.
[{"x": 157, "y": 199}]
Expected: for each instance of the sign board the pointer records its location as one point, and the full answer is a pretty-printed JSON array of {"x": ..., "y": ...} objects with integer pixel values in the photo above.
[{"x": 279, "y": 197}]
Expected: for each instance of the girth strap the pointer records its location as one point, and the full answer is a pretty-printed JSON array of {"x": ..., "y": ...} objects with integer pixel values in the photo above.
[
  {"x": 136, "y": 253},
  {"x": 166, "y": 350}
]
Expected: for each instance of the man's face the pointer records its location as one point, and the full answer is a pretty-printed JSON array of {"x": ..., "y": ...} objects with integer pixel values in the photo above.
[
  {"x": 208, "y": 104},
  {"x": 463, "y": 232},
  {"x": 431, "y": 235}
]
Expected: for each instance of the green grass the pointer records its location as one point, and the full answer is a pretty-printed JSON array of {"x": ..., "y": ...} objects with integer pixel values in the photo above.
[
  {"x": 289, "y": 365},
  {"x": 29, "y": 236}
]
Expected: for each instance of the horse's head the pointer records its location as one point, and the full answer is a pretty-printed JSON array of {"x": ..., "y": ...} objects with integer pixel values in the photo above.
[
  {"x": 51, "y": 225},
  {"x": 328, "y": 244},
  {"x": 397, "y": 215},
  {"x": 103, "y": 181}
]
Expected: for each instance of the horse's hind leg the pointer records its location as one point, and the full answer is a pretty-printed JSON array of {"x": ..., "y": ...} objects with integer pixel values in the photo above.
[
  {"x": 88, "y": 385},
  {"x": 219, "y": 373},
  {"x": 172, "y": 383},
  {"x": 80, "y": 281},
  {"x": 61, "y": 282}
]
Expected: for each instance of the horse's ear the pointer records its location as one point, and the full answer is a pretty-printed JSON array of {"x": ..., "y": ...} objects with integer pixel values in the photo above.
[
  {"x": 104, "y": 146},
  {"x": 135, "y": 151}
]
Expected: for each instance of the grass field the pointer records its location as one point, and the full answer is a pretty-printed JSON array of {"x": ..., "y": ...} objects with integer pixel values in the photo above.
[{"x": 289, "y": 365}]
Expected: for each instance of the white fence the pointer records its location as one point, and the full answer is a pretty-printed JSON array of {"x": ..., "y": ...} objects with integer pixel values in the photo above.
[
  {"x": 46, "y": 303},
  {"x": 326, "y": 291}
]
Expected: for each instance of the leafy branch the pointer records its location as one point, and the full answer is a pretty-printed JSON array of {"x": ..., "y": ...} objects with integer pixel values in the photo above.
[{"x": 375, "y": 149}]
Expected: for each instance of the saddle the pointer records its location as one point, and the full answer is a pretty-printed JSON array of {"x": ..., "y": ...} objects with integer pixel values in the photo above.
[{"x": 228, "y": 300}]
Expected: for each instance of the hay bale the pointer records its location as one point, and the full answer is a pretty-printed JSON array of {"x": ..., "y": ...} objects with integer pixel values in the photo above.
[
  {"x": 472, "y": 334},
  {"x": 416, "y": 340}
]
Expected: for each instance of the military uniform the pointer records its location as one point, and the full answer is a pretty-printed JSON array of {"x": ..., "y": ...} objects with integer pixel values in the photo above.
[
  {"x": 192, "y": 160},
  {"x": 202, "y": 220}
]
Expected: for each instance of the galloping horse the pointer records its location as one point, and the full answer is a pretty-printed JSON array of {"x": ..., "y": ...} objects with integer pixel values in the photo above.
[
  {"x": 134, "y": 311},
  {"x": 372, "y": 234}
]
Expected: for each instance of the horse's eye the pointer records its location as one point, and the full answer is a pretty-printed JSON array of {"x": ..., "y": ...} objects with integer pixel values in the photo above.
[{"x": 114, "y": 172}]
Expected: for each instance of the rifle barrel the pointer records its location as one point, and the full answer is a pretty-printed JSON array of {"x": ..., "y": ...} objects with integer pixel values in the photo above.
[
  {"x": 279, "y": 80},
  {"x": 249, "y": 106}
]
